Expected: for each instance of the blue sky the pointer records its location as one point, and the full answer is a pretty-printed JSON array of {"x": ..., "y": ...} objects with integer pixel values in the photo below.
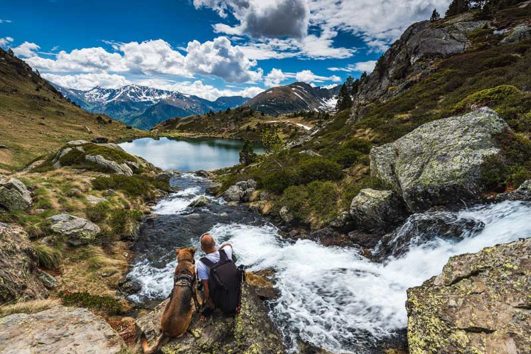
[{"x": 205, "y": 47}]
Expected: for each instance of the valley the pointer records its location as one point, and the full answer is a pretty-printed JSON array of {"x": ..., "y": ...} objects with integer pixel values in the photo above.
[{"x": 386, "y": 215}]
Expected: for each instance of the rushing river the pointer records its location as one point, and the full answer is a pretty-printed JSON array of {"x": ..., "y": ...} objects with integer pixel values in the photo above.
[{"x": 331, "y": 297}]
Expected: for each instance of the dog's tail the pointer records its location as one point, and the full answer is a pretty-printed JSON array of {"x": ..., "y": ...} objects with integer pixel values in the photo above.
[{"x": 163, "y": 339}]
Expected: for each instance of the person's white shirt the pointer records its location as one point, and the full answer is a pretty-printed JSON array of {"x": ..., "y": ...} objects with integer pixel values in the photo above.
[{"x": 203, "y": 270}]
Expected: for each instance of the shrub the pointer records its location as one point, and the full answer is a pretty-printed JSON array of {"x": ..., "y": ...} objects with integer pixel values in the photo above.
[
  {"x": 318, "y": 169},
  {"x": 98, "y": 212},
  {"x": 346, "y": 157},
  {"x": 276, "y": 181},
  {"x": 489, "y": 97},
  {"x": 136, "y": 186},
  {"x": 104, "y": 303},
  {"x": 295, "y": 198},
  {"x": 123, "y": 222},
  {"x": 47, "y": 257}
]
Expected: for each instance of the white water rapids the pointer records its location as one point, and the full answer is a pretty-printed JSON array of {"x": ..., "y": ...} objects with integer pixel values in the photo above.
[{"x": 333, "y": 297}]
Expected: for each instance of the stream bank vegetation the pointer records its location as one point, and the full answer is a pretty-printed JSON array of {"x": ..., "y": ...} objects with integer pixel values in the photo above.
[{"x": 318, "y": 179}]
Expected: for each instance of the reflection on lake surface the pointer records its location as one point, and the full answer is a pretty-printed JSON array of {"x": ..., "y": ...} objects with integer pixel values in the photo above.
[{"x": 187, "y": 154}]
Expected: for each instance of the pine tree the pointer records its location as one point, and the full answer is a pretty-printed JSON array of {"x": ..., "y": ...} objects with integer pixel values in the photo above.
[
  {"x": 435, "y": 16},
  {"x": 457, "y": 7},
  {"x": 344, "y": 101},
  {"x": 247, "y": 154}
]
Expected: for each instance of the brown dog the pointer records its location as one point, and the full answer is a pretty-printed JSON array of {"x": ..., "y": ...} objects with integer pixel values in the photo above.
[{"x": 178, "y": 313}]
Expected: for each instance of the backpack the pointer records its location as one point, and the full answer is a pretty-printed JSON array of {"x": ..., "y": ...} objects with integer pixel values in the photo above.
[{"x": 224, "y": 283}]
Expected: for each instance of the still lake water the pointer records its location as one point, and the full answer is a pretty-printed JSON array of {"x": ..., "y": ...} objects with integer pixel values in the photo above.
[{"x": 188, "y": 154}]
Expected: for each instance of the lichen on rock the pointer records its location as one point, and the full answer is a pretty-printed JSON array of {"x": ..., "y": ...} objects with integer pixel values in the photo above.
[{"x": 478, "y": 304}]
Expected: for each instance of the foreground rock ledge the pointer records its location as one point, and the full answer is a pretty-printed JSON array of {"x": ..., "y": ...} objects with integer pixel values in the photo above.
[
  {"x": 478, "y": 304},
  {"x": 58, "y": 330},
  {"x": 251, "y": 332}
]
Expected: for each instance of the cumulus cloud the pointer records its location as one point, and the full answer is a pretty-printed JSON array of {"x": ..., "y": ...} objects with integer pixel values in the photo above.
[
  {"x": 87, "y": 81},
  {"x": 200, "y": 89},
  {"x": 378, "y": 23},
  {"x": 362, "y": 66},
  {"x": 80, "y": 60},
  {"x": 262, "y": 18},
  {"x": 217, "y": 58},
  {"x": 220, "y": 58},
  {"x": 277, "y": 77},
  {"x": 4, "y": 41},
  {"x": 26, "y": 50}
]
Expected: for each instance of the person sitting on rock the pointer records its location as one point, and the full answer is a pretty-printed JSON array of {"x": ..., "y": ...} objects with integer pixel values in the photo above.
[{"x": 220, "y": 277}]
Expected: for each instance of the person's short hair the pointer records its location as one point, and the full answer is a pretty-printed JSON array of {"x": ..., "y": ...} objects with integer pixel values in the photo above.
[{"x": 207, "y": 242}]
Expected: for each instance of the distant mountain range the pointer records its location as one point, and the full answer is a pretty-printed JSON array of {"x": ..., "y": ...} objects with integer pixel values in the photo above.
[
  {"x": 295, "y": 97},
  {"x": 144, "y": 107}
]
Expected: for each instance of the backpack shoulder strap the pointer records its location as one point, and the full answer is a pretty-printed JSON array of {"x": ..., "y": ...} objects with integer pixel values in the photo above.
[
  {"x": 207, "y": 262},
  {"x": 222, "y": 255}
]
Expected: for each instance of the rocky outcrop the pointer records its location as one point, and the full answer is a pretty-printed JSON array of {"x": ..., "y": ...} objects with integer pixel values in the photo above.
[
  {"x": 422, "y": 228},
  {"x": 78, "y": 231},
  {"x": 518, "y": 33},
  {"x": 58, "y": 330},
  {"x": 14, "y": 195},
  {"x": 199, "y": 202},
  {"x": 249, "y": 332},
  {"x": 410, "y": 57},
  {"x": 522, "y": 193},
  {"x": 377, "y": 211},
  {"x": 478, "y": 304},
  {"x": 19, "y": 276},
  {"x": 440, "y": 162},
  {"x": 120, "y": 169},
  {"x": 241, "y": 191},
  {"x": 105, "y": 157}
]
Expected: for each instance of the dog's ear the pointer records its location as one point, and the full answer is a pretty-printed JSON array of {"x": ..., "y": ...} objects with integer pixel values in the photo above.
[
  {"x": 177, "y": 250},
  {"x": 192, "y": 250}
]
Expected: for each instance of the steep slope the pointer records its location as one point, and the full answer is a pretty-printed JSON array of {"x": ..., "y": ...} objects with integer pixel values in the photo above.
[
  {"x": 36, "y": 119},
  {"x": 413, "y": 84},
  {"x": 144, "y": 107},
  {"x": 295, "y": 97}
]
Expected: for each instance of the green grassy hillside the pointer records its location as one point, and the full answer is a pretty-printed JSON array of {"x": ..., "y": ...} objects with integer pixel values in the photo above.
[{"x": 35, "y": 119}]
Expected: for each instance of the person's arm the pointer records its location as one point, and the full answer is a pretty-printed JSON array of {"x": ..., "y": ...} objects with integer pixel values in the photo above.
[{"x": 207, "y": 301}]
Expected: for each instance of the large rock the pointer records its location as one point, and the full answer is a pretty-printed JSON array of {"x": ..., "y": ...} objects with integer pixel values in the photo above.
[
  {"x": 14, "y": 195},
  {"x": 58, "y": 330},
  {"x": 376, "y": 211},
  {"x": 440, "y": 162},
  {"x": 118, "y": 168},
  {"x": 478, "y": 304},
  {"x": 241, "y": 191},
  {"x": 249, "y": 332},
  {"x": 79, "y": 231},
  {"x": 19, "y": 276},
  {"x": 422, "y": 228}
]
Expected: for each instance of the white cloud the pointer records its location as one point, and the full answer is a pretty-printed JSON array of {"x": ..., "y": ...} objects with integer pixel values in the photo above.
[
  {"x": 80, "y": 60},
  {"x": 200, "y": 89},
  {"x": 87, "y": 81},
  {"x": 362, "y": 66},
  {"x": 275, "y": 77},
  {"x": 309, "y": 77},
  {"x": 217, "y": 58},
  {"x": 220, "y": 58},
  {"x": 26, "y": 50},
  {"x": 5, "y": 41},
  {"x": 155, "y": 56},
  {"x": 5, "y": 21},
  {"x": 378, "y": 23}
]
